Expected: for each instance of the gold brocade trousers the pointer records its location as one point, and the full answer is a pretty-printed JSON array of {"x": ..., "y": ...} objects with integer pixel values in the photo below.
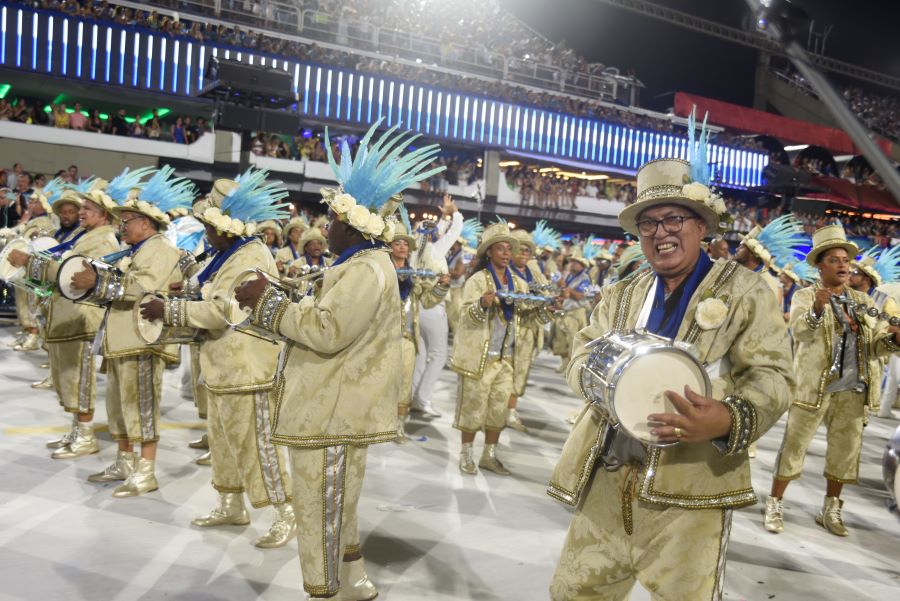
[
  {"x": 73, "y": 373},
  {"x": 564, "y": 329},
  {"x": 327, "y": 485},
  {"x": 133, "y": 394},
  {"x": 844, "y": 414},
  {"x": 200, "y": 393},
  {"x": 525, "y": 352},
  {"x": 244, "y": 458},
  {"x": 407, "y": 367},
  {"x": 483, "y": 403},
  {"x": 676, "y": 554}
]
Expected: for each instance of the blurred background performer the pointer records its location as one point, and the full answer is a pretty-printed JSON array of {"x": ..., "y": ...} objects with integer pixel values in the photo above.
[
  {"x": 413, "y": 292},
  {"x": 483, "y": 348},
  {"x": 338, "y": 385},
  {"x": 836, "y": 357},
  {"x": 134, "y": 369},
  {"x": 432, "y": 246},
  {"x": 238, "y": 369},
  {"x": 291, "y": 250},
  {"x": 530, "y": 340},
  {"x": 459, "y": 262},
  {"x": 641, "y": 507},
  {"x": 71, "y": 326}
]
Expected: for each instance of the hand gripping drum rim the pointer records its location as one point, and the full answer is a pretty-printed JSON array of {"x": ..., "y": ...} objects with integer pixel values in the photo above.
[{"x": 610, "y": 373}]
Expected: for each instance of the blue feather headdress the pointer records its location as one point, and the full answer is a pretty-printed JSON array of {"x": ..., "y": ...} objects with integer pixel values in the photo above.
[
  {"x": 545, "y": 236},
  {"x": 374, "y": 179},
  {"x": 781, "y": 242},
  {"x": 235, "y": 207},
  {"x": 50, "y": 193},
  {"x": 590, "y": 250},
  {"x": 471, "y": 232},
  {"x": 882, "y": 266},
  {"x": 806, "y": 272},
  {"x": 189, "y": 234},
  {"x": 84, "y": 185},
  {"x": 698, "y": 151},
  {"x": 119, "y": 189},
  {"x": 171, "y": 195}
]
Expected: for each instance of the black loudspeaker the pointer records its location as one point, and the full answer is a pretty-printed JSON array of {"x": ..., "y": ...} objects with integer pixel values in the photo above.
[{"x": 247, "y": 85}]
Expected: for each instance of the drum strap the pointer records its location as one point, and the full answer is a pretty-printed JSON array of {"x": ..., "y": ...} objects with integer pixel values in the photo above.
[{"x": 97, "y": 346}]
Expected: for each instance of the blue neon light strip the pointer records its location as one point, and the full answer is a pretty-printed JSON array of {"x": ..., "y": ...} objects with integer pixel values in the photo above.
[{"x": 439, "y": 113}]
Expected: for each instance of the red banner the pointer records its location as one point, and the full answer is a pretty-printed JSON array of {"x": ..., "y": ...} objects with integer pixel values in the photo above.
[
  {"x": 865, "y": 198},
  {"x": 745, "y": 119}
]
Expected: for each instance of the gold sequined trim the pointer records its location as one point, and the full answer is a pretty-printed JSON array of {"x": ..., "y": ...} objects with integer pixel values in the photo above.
[{"x": 664, "y": 190}]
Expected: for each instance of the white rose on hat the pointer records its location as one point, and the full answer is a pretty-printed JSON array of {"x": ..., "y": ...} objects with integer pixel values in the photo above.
[
  {"x": 695, "y": 191},
  {"x": 375, "y": 225},
  {"x": 358, "y": 216},
  {"x": 342, "y": 203}
]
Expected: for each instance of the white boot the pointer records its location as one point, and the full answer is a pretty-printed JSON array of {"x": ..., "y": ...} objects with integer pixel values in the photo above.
[
  {"x": 355, "y": 583},
  {"x": 282, "y": 529}
]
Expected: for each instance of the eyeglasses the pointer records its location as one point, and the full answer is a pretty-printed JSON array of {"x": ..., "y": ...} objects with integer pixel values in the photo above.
[
  {"x": 125, "y": 222},
  {"x": 671, "y": 224}
]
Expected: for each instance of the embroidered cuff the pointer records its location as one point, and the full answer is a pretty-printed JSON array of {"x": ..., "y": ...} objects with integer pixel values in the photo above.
[
  {"x": 743, "y": 426},
  {"x": 175, "y": 312},
  {"x": 109, "y": 286},
  {"x": 477, "y": 312},
  {"x": 36, "y": 268},
  {"x": 270, "y": 308},
  {"x": 440, "y": 290},
  {"x": 544, "y": 316},
  {"x": 186, "y": 264},
  {"x": 811, "y": 319}
]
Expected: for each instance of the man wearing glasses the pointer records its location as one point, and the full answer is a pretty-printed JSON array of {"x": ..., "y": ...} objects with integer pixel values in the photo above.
[
  {"x": 134, "y": 369},
  {"x": 837, "y": 351},
  {"x": 640, "y": 507}
]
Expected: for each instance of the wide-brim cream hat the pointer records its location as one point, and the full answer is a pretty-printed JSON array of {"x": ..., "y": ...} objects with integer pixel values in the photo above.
[
  {"x": 68, "y": 197},
  {"x": 308, "y": 236},
  {"x": 755, "y": 246},
  {"x": 400, "y": 233},
  {"x": 789, "y": 272},
  {"x": 865, "y": 265},
  {"x": 668, "y": 182},
  {"x": 271, "y": 225},
  {"x": 828, "y": 237},
  {"x": 142, "y": 207},
  {"x": 494, "y": 233},
  {"x": 293, "y": 224},
  {"x": 525, "y": 239}
]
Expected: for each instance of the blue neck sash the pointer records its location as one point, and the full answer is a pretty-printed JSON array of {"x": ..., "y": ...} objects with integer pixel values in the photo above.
[
  {"x": 788, "y": 296},
  {"x": 310, "y": 261},
  {"x": 68, "y": 244},
  {"x": 525, "y": 276},
  {"x": 212, "y": 268},
  {"x": 293, "y": 250},
  {"x": 668, "y": 327},
  {"x": 63, "y": 232},
  {"x": 507, "y": 306},
  {"x": 405, "y": 284},
  {"x": 357, "y": 248},
  {"x": 453, "y": 256},
  {"x": 136, "y": 247}
]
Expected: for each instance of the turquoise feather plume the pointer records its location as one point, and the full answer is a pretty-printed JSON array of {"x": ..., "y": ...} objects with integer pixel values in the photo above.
[
  {"x": 378, "y": 172},
  {"x": 168, "y": 192},
  {"x": 887, "y": 263},
  {"x": 254, "y": 200},
  {"x": 698, "y": 152},
  {"x": 785, "y": 239},
  {"x": 120, "y": 186},
  {"x": 545, "y": 236},
  {"x": 471, "y": 232}
]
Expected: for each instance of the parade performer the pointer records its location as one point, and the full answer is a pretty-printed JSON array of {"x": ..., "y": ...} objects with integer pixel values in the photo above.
[
  {"x": 837, "y": 350},
  {"x": 338, "y": 386},
  {"x": 413, "y": 292},
  {"x": 763, "y": 249},
  {"x": 639, "y": 507},
  {"x": 459, "y": 261},
  {"x": 575, "y": 285},
  {"x": 484, "y": 347},
  {"x": 238, "y": 369},
  {"x": 292, "y": 248},
  {"x": 135, "y": 370}
]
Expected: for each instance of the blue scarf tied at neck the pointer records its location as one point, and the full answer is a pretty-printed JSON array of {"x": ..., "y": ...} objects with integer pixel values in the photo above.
[
  {"x": 658, "y": 323},
  {"x": 219, "y": 259},
  {"x": 506, "y": 305}
]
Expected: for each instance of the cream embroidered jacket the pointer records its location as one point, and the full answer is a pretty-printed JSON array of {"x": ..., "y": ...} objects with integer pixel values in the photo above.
[
  {"x": 230, "y": 361},
  {"x": 751, "y": 348},
  {"x": 813, "y": 344},
  {"x": 339, "y": 381}
]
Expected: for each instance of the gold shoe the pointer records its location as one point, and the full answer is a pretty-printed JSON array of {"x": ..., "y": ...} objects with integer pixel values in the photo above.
[
  {"x": 774, "y": 515},
  {"x": 32, "y": 342},
  {"x": 45, "y": 384},
  {"x": 66, "y": 438},
  {"x": 355, "y": 583},
  {"x": 282, "y": 529},
  {"x": 490, "y": 462},
  {"x": 120, "y": 469},
  {"x": 830, "y": 517},
  {"x": 230, "y": 512},
  {"x": 466, "y": 463},
  {"x": 204, "y": 459},
  {"x": 200, "y": 443},
  {"x": 84, "y": 443},
  {"x": 142, "y": 480},
  {"x": 514, "y": 421}
]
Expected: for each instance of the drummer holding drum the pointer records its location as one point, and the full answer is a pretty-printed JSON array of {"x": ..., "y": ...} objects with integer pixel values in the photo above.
[
  {"x": 238, "y": 370},
  {"x": 71, "y": 326},
  {"x": 682, "y": 367}
]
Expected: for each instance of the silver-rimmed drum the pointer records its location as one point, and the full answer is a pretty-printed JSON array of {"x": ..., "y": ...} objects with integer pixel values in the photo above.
[
  {"x": 626, "y": 376},
  {"x": 156, "y": 333}
]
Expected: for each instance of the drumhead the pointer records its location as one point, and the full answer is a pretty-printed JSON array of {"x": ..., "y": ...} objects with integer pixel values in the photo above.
[
  {"x": 67, "y": 270},
  {"x": 6, "y": 268},
  {"x": 42, "y": 243},
  {"x": 640, "y": 389},
  {"x": 148, "y": 331}
]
